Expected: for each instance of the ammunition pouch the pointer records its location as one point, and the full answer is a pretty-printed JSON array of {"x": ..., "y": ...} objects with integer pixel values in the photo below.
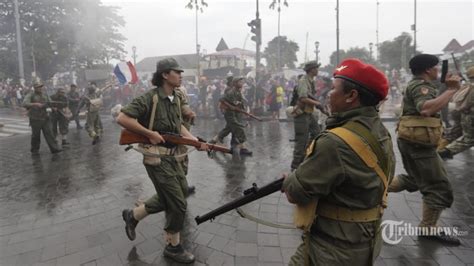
[
  {"x": 152, "y": 153},
  {"x": 293, "y": 111},
  {"x": 421, "y": 130}
]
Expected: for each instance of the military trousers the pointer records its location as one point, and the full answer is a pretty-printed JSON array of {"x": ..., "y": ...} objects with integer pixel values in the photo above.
[
  {"x": 322, "y": 251},
  {"x": 171, "y": 190},
  {"x": 60, "y": 124},
  {"x": 223, "y": 133},
  {"x": 94, "y": 124},
  {"x": 235, "y": 125},
  {"x": 38, "y": 126},
  {"x": 426, "y": 173},
  {"x": 75, "y": 114},
  {"x": 466, "y": 141},
  {"x": 306, "y": 129}
]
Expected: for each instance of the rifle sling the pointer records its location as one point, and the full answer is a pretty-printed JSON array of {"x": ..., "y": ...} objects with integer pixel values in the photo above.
[{"x": 252, "y": 218}]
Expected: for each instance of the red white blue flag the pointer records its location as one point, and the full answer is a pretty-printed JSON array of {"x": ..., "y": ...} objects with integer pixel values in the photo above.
[{"x": 126, "y": 73}]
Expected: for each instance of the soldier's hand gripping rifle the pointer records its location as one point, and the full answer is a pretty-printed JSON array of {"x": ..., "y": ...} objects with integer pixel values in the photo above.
[
  {"x": 251, "y": 194},
  {"x": 128, "y": 137},
  {"x": 237, "y": 109}
]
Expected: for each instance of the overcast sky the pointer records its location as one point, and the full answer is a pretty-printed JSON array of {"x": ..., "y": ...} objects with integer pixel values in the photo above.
[{"x": 159, "y": 27}]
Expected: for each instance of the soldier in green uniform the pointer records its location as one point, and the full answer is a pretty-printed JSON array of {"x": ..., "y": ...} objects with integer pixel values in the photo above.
[
  {"x": 93, "y": 102},
  {"x": 349, "y": 195},
  {"x": 419, "y": 132},
  {"x": 305, "y": 123},
  {"x": 167, "y": 175},
  {"x": 73, "y": 100},
  {"x": 466, "y": 109},
  {"x": 232, "y": 101},
  {"x": 58, "y": 116},
  {"x": 37, "y": 102},
  {"x": 219, "y": 138}
]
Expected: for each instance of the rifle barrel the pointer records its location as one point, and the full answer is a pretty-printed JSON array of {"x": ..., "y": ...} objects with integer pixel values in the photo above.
[{"x": 250, "y": 195}]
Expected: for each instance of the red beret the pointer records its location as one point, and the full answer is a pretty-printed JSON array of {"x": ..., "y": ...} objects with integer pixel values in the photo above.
[{"x": 364, "y": 75}]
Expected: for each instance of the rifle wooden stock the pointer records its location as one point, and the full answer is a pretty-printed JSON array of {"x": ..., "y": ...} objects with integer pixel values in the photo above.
[
  {"x": 237, "y": 109},
  {"x": 128, "y": 137},
  {"x": 251, "y": 194}
]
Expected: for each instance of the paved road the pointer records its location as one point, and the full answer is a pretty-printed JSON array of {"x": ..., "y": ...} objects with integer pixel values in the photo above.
[{"x": 65, "y": 209}]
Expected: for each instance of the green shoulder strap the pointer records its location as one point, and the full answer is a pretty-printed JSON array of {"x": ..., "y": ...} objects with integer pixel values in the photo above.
[{"x": 374, "y": 144}]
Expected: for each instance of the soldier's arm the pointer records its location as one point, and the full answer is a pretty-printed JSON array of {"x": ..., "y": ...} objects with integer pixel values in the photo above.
[
  {"x": 430, "y": 107},
  {"x": 303, "y": 90},
  {"x": 318, "y": 174},
  {"x": 28, "y": 104}
]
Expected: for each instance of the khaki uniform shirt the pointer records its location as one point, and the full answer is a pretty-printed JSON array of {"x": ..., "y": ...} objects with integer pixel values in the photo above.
[
  {"x": 335, "y": 174},
  {"x": 168, "y": 113},
  {"x": 416, "y": 94},
  {"x": 36, "y": 113},
  {"x": 305, "y": 88}
]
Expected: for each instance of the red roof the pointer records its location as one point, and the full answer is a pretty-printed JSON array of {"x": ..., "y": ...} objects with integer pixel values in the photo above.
[{"x": 452, "y": 46}]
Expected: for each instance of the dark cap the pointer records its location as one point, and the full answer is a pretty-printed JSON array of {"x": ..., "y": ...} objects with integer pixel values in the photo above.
[
  {"x": 229, "y": 80},
  {"x": 38, "y": 84},
  {"x": 235, "y": 79},
  {"x": 168, "y": 64},
  {"x": 423, "y": 62},
  {"x": 311, "y": 64}
]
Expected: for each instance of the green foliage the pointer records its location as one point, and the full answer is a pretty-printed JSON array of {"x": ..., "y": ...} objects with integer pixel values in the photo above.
[
  {"x": 59, "y": 35},
  {"x": 288, "y": 50},
  {"x": 396, "y": 53}
]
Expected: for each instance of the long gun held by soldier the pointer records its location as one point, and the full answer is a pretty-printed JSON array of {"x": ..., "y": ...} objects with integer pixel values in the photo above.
[
  {"x": 251, "y": 194},
  {"x": 128, "y": 137},
  {"x": 318, "y": 106},
  {"x": 237, "y": 109}
]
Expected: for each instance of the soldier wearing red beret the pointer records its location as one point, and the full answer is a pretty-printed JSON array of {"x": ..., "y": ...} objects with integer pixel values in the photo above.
[
  {"x": 341, "y": 186},
  {"x": 419, "y": 132}
]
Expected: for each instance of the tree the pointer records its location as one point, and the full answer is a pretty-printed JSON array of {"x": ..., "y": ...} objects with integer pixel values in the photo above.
[
  {"x": 396, "y": 53},
  {"x": 59, "y": 35},
  {"x": 288, "y": 50},
  {"x": 353, "y": 52}
]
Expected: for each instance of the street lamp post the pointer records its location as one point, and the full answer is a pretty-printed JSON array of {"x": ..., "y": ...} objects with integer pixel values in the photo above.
[
  {"x": 371, "y": 45},
  {"x": 134, "y": 55},
  {"x": 199, "y": 7},
  {"x": 316, "y": 51},
  {"x": 414, "y": 31},
  {"x": 337, "y": 32},
  {"x": 21, "y": 70}
]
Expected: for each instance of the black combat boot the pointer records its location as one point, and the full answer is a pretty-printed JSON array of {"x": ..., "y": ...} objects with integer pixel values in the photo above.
[
  {"x": 245, "y": 151},
  {"x": 443, "y": 237},
  {"x": 178, "y": 254},
  {"x": 130, "y": 223},
  {"x": 445, "y": 154},
  {"x": 191, "y": 190},
  {"x": 65, "y": 142},
  {"x": 96, "y": 139}
]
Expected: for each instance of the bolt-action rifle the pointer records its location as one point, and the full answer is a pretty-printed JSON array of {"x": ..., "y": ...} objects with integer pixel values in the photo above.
[
  {"x": 237, "y": 109},
  {"x": 251, "y": 194},
  {"x": 128, "y": 137}
]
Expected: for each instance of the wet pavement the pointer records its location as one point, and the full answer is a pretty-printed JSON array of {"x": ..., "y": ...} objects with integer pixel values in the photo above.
[{"x": 65, "y": 209}]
